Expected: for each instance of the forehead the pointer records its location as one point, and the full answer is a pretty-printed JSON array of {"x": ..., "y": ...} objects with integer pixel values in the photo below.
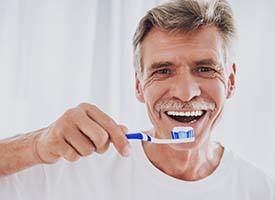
[{"x": 162, "y": 46}]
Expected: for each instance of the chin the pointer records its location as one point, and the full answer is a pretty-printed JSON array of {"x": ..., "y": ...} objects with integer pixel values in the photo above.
[{"x": 186, "y": 146}]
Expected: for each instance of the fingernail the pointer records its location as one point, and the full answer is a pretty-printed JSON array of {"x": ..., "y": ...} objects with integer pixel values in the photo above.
[{"x": 126, "y": 150}]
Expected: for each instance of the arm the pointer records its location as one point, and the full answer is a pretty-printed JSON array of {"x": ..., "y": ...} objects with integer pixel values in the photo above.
[
  {"x": 18, "y": 153},
  {"x": 79, "y": 132}
]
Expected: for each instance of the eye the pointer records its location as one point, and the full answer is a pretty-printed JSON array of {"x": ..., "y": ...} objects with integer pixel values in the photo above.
[
  {"x": 207, "y": 72},
  {"x": 164, "y": 71},
  {"x": 204, "y": 69}
]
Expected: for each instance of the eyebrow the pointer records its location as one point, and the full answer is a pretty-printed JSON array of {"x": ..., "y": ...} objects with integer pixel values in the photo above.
[
  {"x": 208, "y": 61},
  {"x": 157, "y": 65}
]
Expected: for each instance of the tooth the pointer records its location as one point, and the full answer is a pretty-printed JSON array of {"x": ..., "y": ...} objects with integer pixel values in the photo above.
[
  {"x": 178, "y": 113},
  {"x": 181, "y": 113},
  {"x": 173, "y": 113},
  {"x": 187, "y": 114}
]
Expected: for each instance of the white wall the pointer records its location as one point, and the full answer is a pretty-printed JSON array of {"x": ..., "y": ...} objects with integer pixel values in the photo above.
[
  {"x": 248, "y": 123},
  {"x": 56, "y": 54}
]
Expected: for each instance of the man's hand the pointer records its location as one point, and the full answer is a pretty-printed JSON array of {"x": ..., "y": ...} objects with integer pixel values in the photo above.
[{"x": 79, "y": 132}]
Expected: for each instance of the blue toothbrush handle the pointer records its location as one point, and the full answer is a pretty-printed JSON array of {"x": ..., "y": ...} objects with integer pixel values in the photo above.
[{"x": 138, "y": 136}]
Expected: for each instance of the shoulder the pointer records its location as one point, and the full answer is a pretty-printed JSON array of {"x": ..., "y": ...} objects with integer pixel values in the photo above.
[
  {"x": 246, "y": 175},
  {"x": 245, "y": 167}
]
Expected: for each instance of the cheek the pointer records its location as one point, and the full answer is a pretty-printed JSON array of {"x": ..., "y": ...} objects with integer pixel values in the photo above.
[
  {"x": 154, "y": 91},
  {"x": 216, "y": 90}
]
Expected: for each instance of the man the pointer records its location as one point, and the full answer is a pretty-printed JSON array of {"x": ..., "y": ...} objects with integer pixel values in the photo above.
[{"x": 184, "y": 75}]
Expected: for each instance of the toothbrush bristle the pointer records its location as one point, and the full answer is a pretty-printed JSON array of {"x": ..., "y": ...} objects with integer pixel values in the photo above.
[{"x": 182, "y": 133}]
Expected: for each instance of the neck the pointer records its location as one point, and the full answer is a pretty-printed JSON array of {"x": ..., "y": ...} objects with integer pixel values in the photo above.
[{"x": 189, "y": 165}]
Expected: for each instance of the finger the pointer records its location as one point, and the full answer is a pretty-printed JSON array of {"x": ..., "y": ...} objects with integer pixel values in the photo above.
[
  {"x": 116, "y": 134},
  {"x": 68, "y": 152},
  {"x": 80, "y": 142},
  {"x": 102, "y": 149},
  {"x": 123, "y": 128},
  {"x": 94, "y": 132}
]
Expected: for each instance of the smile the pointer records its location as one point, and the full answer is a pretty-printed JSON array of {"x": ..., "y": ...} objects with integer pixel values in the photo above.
[{"x": 186, "y": 117}]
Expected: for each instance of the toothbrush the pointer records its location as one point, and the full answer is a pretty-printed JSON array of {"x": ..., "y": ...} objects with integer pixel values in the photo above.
[{"x": 179, "y": 134}]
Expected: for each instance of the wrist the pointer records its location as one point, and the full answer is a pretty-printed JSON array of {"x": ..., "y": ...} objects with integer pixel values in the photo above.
[{"x": 35, "y": 147}]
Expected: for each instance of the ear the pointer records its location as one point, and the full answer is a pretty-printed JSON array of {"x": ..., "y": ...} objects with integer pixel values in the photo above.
[
  {"x": 139, "y": 92},
  {"x": 231, "y": 85}
]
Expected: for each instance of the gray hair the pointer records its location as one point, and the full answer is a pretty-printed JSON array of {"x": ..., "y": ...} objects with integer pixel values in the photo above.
[{"x": 186, "y": 16}]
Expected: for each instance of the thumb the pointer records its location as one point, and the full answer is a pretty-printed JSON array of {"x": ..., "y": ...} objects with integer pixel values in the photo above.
[{"x": 123, "y": 128}]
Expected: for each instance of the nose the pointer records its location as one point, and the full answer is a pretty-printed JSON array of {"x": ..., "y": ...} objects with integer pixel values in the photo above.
[{"x": 185, "y": 87}]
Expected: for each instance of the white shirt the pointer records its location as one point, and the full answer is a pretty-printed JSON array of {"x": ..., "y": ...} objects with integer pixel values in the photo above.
[{"x": 111, "y": 176}]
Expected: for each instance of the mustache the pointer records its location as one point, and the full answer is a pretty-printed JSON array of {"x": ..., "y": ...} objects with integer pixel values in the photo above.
[{"x": 195, "y": 104}]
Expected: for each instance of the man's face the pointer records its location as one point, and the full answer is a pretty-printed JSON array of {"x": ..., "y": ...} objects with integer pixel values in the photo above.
[{"x": 184, "y": 81}]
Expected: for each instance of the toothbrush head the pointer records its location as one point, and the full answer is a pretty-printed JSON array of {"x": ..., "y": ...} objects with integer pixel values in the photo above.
[{"x": 181, "y": 132}]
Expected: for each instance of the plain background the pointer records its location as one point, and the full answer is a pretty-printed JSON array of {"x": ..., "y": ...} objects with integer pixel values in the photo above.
[{"x": 55, "y": 54}]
